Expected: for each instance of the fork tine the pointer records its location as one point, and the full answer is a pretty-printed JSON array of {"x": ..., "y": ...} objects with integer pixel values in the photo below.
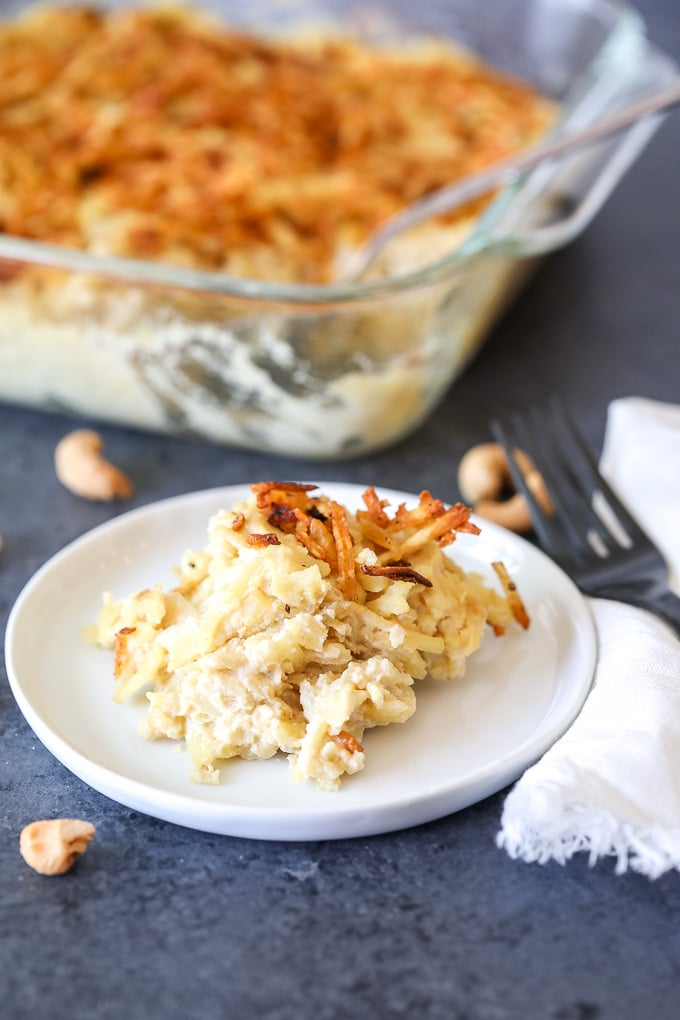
[
  {"x": 624, "y": 564},
  {"x": 538, "y": 440},
  {"x": 576, "y": 530},
  {"x": 567, "y": 478},
  {"x": 595, "y": 479},
  {"x": 550, "y": 534},
  {"x": 571, "y": 476}
]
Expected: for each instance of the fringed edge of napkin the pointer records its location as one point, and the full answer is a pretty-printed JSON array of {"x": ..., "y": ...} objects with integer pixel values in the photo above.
[{"x": 651, "y": 851}]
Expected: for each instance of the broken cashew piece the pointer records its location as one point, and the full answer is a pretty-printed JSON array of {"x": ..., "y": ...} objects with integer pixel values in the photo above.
[
  {"x": 83, "y": 470},
  {"x": 483, "y": 476},
  {"x": 52, "y": 847}
]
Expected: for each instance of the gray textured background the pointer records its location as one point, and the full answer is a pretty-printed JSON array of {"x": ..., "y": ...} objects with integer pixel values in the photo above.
[{"x": 434, "y": 922}]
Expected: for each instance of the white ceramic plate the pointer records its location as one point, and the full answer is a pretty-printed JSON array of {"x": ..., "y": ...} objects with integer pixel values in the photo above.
[{"x": 467, "y": 739}]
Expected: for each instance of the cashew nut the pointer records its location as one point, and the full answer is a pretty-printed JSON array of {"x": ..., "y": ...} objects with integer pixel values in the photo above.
[
  {"x": 52, "y": 847},
  {"x": 82, "y": 469},
  {"x": 483, "y": 477}
]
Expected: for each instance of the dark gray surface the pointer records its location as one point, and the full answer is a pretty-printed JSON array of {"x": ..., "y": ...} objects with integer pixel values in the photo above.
[{"x": 435, "y": 922}]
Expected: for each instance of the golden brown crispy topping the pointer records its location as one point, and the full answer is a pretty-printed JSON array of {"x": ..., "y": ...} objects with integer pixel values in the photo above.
[
  {"x": 399, "y": 571},
  {"x": 120, "y": 649},
  {"x": 317, "y": 538},
  {"x": 349, "y": 742},
  {"x": 264, "y": 491},
  {"x": 238, "y": 522},
  {"x": 376, "y": 508},
  {"x": 269, "y": 538},
  {"x": 512, "y": 596},
  {"x": 281, "y": 515},
  {"x": 160, "y": 134},
  {"x": 433, "y": 522},
  {"x": 322, "y": 527},
  {"x": 344, "y": 551}
]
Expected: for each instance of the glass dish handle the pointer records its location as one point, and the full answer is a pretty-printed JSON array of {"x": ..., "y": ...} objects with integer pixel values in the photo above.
[{"x": 556, "y": 203}]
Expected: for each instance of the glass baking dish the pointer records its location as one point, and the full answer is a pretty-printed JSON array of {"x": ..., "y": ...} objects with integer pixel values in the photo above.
[{"x": 330, "y": 371}]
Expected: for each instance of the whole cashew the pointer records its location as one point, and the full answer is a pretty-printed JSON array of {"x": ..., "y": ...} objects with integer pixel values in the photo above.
[
  {"x": 483, "y": 476},
  {"x": 52, "y": 847},
  {"x": 83, "y": 471}
]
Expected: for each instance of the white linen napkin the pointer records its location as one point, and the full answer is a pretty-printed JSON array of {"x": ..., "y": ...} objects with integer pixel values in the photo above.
[{"x": 611, "y": 785}]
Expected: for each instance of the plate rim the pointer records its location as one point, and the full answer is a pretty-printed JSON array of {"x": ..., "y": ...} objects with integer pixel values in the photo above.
[{"x": 249, "y": 820}]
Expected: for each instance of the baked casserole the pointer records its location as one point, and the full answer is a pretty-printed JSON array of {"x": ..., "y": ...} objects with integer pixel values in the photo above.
[
  {"x": 170, "y": 246},
  {"x": 299, "y": 626},
  {"x": 163, "y": 134}
]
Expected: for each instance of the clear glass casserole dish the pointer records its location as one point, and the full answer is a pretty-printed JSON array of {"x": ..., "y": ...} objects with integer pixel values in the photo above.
[{"x": 329, "y": 370}]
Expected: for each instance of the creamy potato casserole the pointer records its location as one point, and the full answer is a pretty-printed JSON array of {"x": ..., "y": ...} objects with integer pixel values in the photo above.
[
  {"x": 162, "y": 134},
  {"x": 299, "y": 626}
]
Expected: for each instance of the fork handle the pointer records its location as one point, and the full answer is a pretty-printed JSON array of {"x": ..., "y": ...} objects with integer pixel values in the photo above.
[{"x": 664, "y": 604}]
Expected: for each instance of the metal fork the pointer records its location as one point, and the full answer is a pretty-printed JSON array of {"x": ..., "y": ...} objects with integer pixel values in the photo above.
[{"x": 590, "y": 534}]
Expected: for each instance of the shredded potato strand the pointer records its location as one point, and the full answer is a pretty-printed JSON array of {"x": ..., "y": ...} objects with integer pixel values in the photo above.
[{"x": 513, "y": 597}]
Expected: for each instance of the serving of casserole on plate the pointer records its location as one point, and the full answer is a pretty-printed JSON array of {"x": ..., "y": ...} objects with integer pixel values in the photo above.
[
  {"x": 300, "y": 626},
  {"x": 179, "y": 190},
  {"x": 469, "y": 735}
]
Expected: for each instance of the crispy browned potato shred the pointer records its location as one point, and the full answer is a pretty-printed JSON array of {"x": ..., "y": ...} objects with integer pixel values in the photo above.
[
  {"x": 239, "y": 521},
  {"x": 400, "y": 571},
  {"x": 261, "y": 540},
  {"x": 348, "y": 741},
  {"x": 512, "y": 595},
  {"x": 321, "y": 525}
]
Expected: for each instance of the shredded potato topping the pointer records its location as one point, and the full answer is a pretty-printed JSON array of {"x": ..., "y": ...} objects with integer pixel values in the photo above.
[
  {"x": 301, "y": 625},
  {"x": 161, "y": 134}
]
